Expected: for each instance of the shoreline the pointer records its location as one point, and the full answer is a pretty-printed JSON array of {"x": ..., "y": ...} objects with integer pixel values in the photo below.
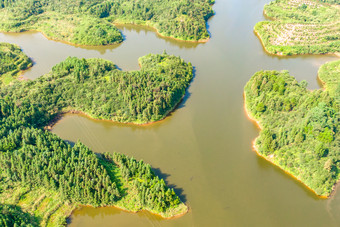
[
  {"x": 110, "y": 44},
  {"x": 20, "y": 75},
  {"x": 60, "y": 40},
  {"x": 79, "y": 207},
  {"x": 323, "y": 83},
  {"x": 257, "y": 122},
  {"x": 147, "y": 25},
  {"x": 61, "y": 114}
]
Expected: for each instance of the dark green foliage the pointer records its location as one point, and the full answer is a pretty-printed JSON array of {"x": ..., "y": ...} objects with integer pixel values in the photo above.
[
  {"x": 37, "y": 158},
  {"x": 182, "y": 19},
  {"x": 100, "y": 90},
  {"x": 300, "y": 128},
  {"x": 331, "y": 1},
  {"x": 12, "y": 61},
  {"x": 33, "y": 158},
  {"x": 13, "y": 216},
  {"x": 300, "y": 27},
  {"x": 152, "y": 191}
]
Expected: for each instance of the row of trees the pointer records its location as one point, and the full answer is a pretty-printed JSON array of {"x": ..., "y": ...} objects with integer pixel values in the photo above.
[
  {"x": 300, "y": 27},
  {"x": 301, "y": 12},
  {"x": 331, "y": 1},
  {"x": 300, "y": 127},
  {"x": 329, "y": 74}
]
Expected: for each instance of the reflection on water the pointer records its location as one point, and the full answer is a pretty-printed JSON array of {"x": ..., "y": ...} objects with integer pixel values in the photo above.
[
  {"x": 126, "y": 218},
  {"x": 204, "y": 148},
  {"x": 144, "y": 30}
]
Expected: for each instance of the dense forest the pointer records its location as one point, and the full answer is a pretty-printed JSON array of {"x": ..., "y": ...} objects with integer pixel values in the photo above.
[
  {"x": 96, "y": 87},
  {"x": 301, "y": 27},
  {"x": 12, "y": 61},
  {"x": 91, "y": 22},
  {"x": 13, "y": 216},
  {"x": 300, "y": 128},
  {"x": 48, "y": 177}
]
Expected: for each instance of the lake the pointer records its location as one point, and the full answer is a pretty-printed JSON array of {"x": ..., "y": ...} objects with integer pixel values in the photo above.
[{"x": 204, "y": 148}]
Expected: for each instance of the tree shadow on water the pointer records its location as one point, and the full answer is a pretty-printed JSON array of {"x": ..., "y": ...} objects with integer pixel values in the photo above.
[
  {"x": 187, "y": 94},
  {"x": 179, "y": 191},
  {"x": 71, "y": 143},
  {"x": 117, "y": 67}
]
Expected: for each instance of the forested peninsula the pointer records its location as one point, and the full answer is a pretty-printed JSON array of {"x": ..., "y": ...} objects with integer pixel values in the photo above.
[
  {"x": 43, "y": 178},
  {"x": 301, "y": 27},
  {"x": 98, "y": 89},
  {"x": 12, "y": 62},
  {"x": 299, "y": 127},
  {"x": 91, "y": 22}
]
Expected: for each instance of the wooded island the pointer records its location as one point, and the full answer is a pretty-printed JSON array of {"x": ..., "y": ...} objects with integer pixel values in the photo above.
[
  {"x": 43, "y": 178},
  {"x": 299, "y": 128}
]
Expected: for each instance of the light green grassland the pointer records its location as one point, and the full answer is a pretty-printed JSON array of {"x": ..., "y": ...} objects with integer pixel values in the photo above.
[{"x": 300, "y": 27}]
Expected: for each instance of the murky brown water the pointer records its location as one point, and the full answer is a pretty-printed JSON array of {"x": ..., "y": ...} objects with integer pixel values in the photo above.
[{"x": 204, "y": 148}]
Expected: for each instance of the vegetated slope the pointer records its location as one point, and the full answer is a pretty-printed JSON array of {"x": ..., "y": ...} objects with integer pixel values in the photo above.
[
  {"x": 90, "y": 22},
  {"x": 12, "y": 61},
  {"x": 300, "y": 128},
  {"x": 46, "y": 176},
  {"x": 329, "y": 74},
  {"x": 301, "y": 27},
  {"x": 97, "y": 88}
]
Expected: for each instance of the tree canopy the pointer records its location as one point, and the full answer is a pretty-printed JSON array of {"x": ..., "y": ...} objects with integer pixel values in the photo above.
[
  {"x": 300, "y": 128},
  {"x": 91, "y": 22},
  {"x": 47, "y": 176},
  {"x": 96, "y": 87}
]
